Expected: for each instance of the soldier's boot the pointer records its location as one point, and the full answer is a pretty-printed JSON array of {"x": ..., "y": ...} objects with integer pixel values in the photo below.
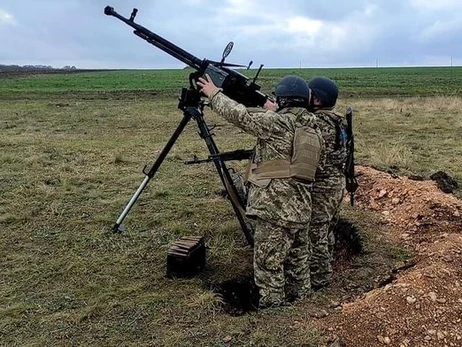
[
  {"x": 297, "y": 290},
  {"x": 320, "y": 276},
  {"x": 271, "y": 299}
]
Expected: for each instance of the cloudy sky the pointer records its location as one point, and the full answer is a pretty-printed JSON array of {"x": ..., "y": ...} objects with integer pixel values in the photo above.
[{"x": 293, "y": 33}]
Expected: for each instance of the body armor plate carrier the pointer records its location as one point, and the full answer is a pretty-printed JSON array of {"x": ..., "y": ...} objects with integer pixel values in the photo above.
[{"x": 303, "y": 164}]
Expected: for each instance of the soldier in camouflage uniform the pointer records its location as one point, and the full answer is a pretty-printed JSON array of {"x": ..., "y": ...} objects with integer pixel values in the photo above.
[
  {"x": 287, "y": 154},
  {"x": 329, "y": 185}
]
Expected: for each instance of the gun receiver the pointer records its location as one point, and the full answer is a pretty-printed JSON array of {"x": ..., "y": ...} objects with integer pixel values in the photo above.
[{"x": 234, "y": 84}]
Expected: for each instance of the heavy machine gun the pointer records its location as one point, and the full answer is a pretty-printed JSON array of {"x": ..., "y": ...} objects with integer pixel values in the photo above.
[{"x": 234, "y": 84}]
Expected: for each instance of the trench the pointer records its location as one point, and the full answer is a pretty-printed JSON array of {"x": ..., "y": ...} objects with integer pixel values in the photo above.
[{"x": 240, "y": 295}]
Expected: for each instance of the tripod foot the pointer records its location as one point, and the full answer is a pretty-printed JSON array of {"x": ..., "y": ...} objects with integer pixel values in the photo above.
[{"x": 118, "y": 228}]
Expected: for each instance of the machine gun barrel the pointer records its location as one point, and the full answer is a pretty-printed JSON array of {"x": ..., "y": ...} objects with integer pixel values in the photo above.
[{"x": 157, "y": 40}]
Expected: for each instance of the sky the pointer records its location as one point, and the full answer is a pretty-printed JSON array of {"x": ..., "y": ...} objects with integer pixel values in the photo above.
[{"x": 290, "y": 33}]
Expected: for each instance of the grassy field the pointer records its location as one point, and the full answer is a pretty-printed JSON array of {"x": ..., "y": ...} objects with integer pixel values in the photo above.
[
  {"x": 71, "y": 153},
  {"x": 354, "y": 82}
]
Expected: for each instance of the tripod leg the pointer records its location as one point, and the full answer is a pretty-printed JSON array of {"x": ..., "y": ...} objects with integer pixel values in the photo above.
[
  {"x": 236, "y": 201},
  {"x": 118, "y": 225}
]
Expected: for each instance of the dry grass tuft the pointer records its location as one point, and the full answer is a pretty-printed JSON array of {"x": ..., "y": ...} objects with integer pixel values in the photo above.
[{"x": 386, "y": 156}]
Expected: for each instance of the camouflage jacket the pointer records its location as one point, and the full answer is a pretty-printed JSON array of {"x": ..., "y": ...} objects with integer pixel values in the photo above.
[
  {"x": 331, "y": 124},
  {"x": 285, "y": 202}
]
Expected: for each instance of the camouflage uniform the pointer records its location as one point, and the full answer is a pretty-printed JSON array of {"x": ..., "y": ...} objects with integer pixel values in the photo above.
[
  {"x": 281, "y": 207},
  {"x": 327, "y": 195}
]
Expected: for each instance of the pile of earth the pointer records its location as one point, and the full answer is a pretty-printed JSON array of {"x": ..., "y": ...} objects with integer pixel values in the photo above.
[
  {"x": 422, "y": 305},
  {"x": 411, "y": 206}
]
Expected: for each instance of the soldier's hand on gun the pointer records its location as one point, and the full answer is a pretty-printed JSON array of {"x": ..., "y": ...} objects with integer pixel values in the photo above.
[
  {"x": 270, "y": 105},
  {"x": 207, "y": 85}
]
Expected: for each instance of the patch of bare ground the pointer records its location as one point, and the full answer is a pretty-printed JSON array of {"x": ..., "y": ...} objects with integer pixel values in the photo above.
[{"x": 421, "y": 303}]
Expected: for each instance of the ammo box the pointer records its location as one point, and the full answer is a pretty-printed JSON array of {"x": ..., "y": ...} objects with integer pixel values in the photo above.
[{"x": 186, "y": 257}]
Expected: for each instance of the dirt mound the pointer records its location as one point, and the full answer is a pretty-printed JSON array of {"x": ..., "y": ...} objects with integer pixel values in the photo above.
[
  {"x": 418, "y": 309},
  {"x": 421, "y": 305},
  {"x": 409, "y": 205}
]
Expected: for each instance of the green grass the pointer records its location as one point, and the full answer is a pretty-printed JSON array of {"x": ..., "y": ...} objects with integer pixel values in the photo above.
[
  {"x": 353, "y": 82},
  {"x": 71, "y": 154},
  {"x": 98, "y": 82}
]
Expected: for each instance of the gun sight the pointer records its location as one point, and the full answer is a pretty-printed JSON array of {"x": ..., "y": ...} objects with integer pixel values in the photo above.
[{"x": 133, "y": 15}]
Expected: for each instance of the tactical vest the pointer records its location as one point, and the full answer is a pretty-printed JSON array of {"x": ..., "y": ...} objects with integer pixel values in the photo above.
[{"x": 306, "y": 152}]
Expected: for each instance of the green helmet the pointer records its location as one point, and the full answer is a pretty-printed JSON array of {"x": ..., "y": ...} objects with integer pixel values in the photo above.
[
  {"x": 292, "y": 87},
  {"x": 324, "y": 89}
]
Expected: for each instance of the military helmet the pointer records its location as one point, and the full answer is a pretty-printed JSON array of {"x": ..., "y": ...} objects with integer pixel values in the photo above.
[
  {"x": 292, "y": 87},
  {"x": 324, "y": 89}
]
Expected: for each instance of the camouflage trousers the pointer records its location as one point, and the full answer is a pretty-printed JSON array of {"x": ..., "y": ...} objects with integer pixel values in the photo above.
[
  {"x": 281, "y": 263},
  {"x": 326, "y": 197}
]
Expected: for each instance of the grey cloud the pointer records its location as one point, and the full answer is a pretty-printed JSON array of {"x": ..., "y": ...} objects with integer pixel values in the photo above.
[{"x": 351, "y": 33}]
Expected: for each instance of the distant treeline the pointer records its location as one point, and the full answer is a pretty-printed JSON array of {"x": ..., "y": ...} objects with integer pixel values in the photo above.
[{"x": 33, "y": 67}]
